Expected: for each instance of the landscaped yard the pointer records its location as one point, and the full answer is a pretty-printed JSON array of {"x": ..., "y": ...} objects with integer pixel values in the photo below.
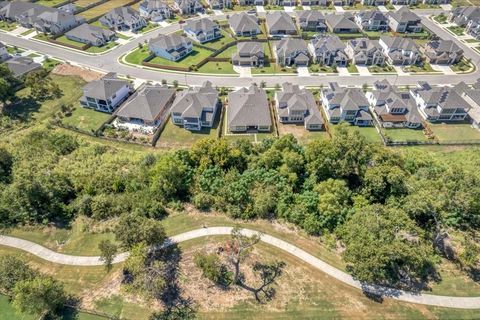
[
  {"x": 198, "y": 54},
  {"x": 102, "y": 9},
  {"x": 227, "y": 53},
  {"x": 462, "y": 66},
  {"x": 321, "y": 69},
  {"x": 459, "y": 31},
  {"x": 220, "y": 42},
  {"x": 64, "y": 39},
  {"x": 352, "y": 68},
  {"x": 441, "y": 18},
  {"x": 86, "y": 119},
  {"x": 455, "y": 132},
  {"x": 271, "y": 68},
  {"x": 138, "y": 55},
  {"x": 149, "y": 27},
  {"x": 370, "y": 133},
  {"x": 381, "y": 69},
  {"x": 219, "y": 67},
  {"x": 404, "y": 134},
  {"x": 423, "y": 68},
  {"x": 6, "y": 26},
  {"x": 107, "y": 46}
]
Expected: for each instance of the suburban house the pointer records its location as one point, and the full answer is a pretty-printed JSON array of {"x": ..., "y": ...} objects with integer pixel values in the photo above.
[
  {"x": 403, "y": 2},
  {"x": 440, "y": 104},
  {"x": 473, "y": 28},
  {"x": 404, "y": 21},
  {"x": 279, "y": 23},
  {"x": 400, "y": 50},
  {"x": 367, "y": 52},
  {"x": 43, "y": 19},
  {"x": 462, "y": 15},
  {"x": 328, "y": 50},
  {"x": 443, "y": 52},
  {"x": 249, "y": 54},
  {"x": 244, "y": 25},
  {"x": 436, "y": 2},
  {"x": 4, "y": 55},
  {"x": 295, "y": 105},
  {"x": 311, "y": 20},
  {"x": 343, "y": 3},
  {"x": 196, "y": 107},
  {"x": 155, "y": 10},
  {"x": 172, "y": 47},
  {"x": 248, "y": 110},
  {"x": 202, "y": 30},
  {"x": 251, "y": 2},
  {"x": 393, "y": 108},
  {"x": 20, "y": 66},
  {"x": 292, "y": 51},
  {"x": 188, "y": 7},
  {"x": 346, "y": 104},
  {"x": 372, "y": 20},
  {"x": 283, "y": 3},
  {"x": 341, "y": 23},
  {"x": 106, "y": 94},
  {"x": 374, "y": 3},
  {"x": 220, "y": 4},
  {"x": 92, "y": 35},
  {"x": 145, "y": 109},
  {"x": 472, "y": 96},
  {"x": 69, "y": 8},
  {"x": 123, "y": 19},
  {"x": 313, "y": 2}
]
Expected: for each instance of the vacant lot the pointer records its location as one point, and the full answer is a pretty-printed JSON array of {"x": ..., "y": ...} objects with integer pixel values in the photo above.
[
  {"x": 217, "y": 67},
  {"x": 403, "y": 134},
  {"x": 455, "y": 132},
  {"x": 84, "y": 3},
  {"x": 49, "y": 3},
  {"x": 103, "y": 8}
]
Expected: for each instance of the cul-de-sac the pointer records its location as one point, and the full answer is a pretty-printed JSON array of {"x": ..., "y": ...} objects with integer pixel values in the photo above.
[{"x": 239, "y": 159}]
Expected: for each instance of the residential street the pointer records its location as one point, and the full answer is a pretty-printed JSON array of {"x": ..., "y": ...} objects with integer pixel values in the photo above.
[{"x": 109, "y": 62}]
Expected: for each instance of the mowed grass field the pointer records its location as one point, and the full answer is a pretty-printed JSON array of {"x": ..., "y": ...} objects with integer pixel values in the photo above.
[
  {"x": 84, "y": 3},
  {"x": 103, "y": 8},
  {"x": 86, "y": 119},
  {"x": 455, "y": 132}
]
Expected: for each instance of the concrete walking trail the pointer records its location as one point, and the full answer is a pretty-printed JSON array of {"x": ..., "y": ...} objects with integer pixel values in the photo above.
[{"x": 419, "y": 298}]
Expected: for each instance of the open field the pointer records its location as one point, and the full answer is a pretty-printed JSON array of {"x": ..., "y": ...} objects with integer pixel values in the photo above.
[
  {"x": 49, "y": 3},
  {"x": 102, "y": 9},
  {"x": 455, "y": 132},
  {"x": 84, "y": 3}
]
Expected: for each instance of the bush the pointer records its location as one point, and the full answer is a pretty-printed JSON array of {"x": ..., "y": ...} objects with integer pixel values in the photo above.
[{"x": 212, "y": 268}]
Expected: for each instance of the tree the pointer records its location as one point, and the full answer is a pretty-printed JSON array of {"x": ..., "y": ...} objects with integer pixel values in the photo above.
[
  {"x": 384, "y": 246},
  {"x": 240, "y": 247},
  {"x": 7, "y": 92},
  {"x": 212, "y": 268},
  {"x": 6, "y": 163},
  {"x": 12, "y": 271},
  {"x": 108, "y": 251},
  {"x": 42, "y": 86},
  {"x": 169, "y": 176},
  {"x": 38, "y": 295},
  {"x": 133, "y": 229},
  {"x": 333, "y": 204}
]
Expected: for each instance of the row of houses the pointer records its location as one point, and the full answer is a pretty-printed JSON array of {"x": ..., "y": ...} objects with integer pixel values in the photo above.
[
  {"x": 335, "y": 2},
  {"x": 280, "y": 23},
  {"x": 468, "y": 17},
  {"x": 18, "y": 66}
]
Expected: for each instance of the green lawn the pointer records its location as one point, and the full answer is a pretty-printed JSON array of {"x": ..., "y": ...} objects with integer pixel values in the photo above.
[
  {"x": 370, "y": 133},
  {"x": 102, "y": 8},
  {"x": 138, "y": 55},
  {"x": 7, "y": 311},
  {"x": 197, "y": 55},
  {"x": 459, "y": 31},
  {"x": 352, "y": 68},
  {"x": 14, "y": 50},
  {"x": 315, "y": 68},
  {"x": 271, "y": 68},
  {"x": 107, "y": 46},
  {"x": 49, "y": 3},
  {"x": 217, "y": 67},
  {"x": 176, "y": 136},
  {"x": 24, "y": 33},
  {"x": 86, "y": 119},
  {"x": 6, "y": 26},
  {"x": 30, "y": 110},
  {"x": 64, "y": 39},
  {"x": 441, "y": 18},
  {"x": 228, "y": 53},
  {"x": 455, "y": 132},
  {"x": 220, "y": 42},
  {"x": 150, "y": 26},
  {"x": 50, "y": 63},
  {"x": 424, "y": 68},
  {"x": 471, "y": 40},
  {"x": 462, "y": 66},
  {"x": 381, "y": 69},
  {"x": 404, "y": 134}
]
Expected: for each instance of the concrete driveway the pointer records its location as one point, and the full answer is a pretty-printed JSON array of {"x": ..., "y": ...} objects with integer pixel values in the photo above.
[
  {"x": 303, "y": 72},
  {"x": 363, "y": 70},
  {"x": 443, "y": 68},
  {"x": 260, "y": 9},
  {"x": 343, "y": 71}
]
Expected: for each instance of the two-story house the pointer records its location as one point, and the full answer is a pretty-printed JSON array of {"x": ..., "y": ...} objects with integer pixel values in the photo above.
[
  {"x": 249, "y": 54},
  {"x": 440, "y": 104},
  {"x": 473, "y": 28},
  {"x": 155, "y": 10},
  {"x": 374, "y": 3},
  {"x": 248, "y": 110},
  {"x": 196, "y": 107},
  {"x": 462, "y": 15},
  {"x": 443, "y": 52},
  {"x": 56, "y": 22},
  {"x": 92, "y": 35},
  {"x": 202, "y": 30},
  {"x": 123, "y": 19},
  {"x": 145, "y": 109},
  {"x": 346, "y": 104},
  {"x": 292, "y": 51},
  {"x": 393, "y": 108},
  {"x": 295, "y": 105},
  {"x": 4, "y": 55},
  {"x": 220, "y": 4},
  {"x": 244, "y": 25},
  {"x": 372, "y": 20},
  {"x": 404, "y": 21},
  {"x": 172, "y": 47},
  {"x": 188, "y": 7},
  {"x": 311, "y": 20},
  {"x": 106, "y": 94},
  {"x": 400, "y": 50},
  {"x": 328, "y": 50},
  {"x": 341, "y": 23},
  {"x": 363, "y": 51},
  {"x": 279, "y": 23}
]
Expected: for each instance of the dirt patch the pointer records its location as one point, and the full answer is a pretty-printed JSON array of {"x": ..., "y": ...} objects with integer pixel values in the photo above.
[
  {"x": 298, "y": 130},
  {"x": 69, "y": 70}
]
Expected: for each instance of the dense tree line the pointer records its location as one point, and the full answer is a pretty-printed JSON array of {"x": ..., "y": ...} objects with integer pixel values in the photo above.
[{"x": 391, "y": 211}]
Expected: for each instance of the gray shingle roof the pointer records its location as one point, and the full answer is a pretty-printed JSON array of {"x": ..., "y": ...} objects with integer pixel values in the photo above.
[
  {"x": 20, "y": 66},
  {"x": 442, "y": 96},
  {"x": 310, "y": 15},
  {"x": 280, "y": 20},
  {"x": 241, "y": 22},
  {"x": 327, "y": 42},
  {"x": 404, "y": 15},
  {"x": 90, "y": 33},
  {"x": 340, "y": 21},
  {"x": 289, "y": 45},
  {"x": 203, "y": 24},
  {"x": 250, "y": 47},
  {"x": 248, "y": 107},
  {"x": 373, "y": 15},
  {"x": 105, "y": 87},
  {"x": 399, "y": 43},
  {"x": 192, "y": 102},
  {"x": 169, "y": 41},
  {"x": 147, "y": 103}
]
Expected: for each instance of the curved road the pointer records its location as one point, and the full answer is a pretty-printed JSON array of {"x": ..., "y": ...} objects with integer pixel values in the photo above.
[
  {"x": 110, "y": 62},
  {"x": 426, "y": 299}
]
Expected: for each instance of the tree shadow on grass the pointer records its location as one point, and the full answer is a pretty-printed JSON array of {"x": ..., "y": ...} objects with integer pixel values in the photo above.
[{"x": 22, "y": 109}]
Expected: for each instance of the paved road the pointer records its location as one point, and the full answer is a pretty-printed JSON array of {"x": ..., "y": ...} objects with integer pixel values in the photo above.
[
  {"x": 109, "y": 62},
  {"x": 426, "y": 299}
]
